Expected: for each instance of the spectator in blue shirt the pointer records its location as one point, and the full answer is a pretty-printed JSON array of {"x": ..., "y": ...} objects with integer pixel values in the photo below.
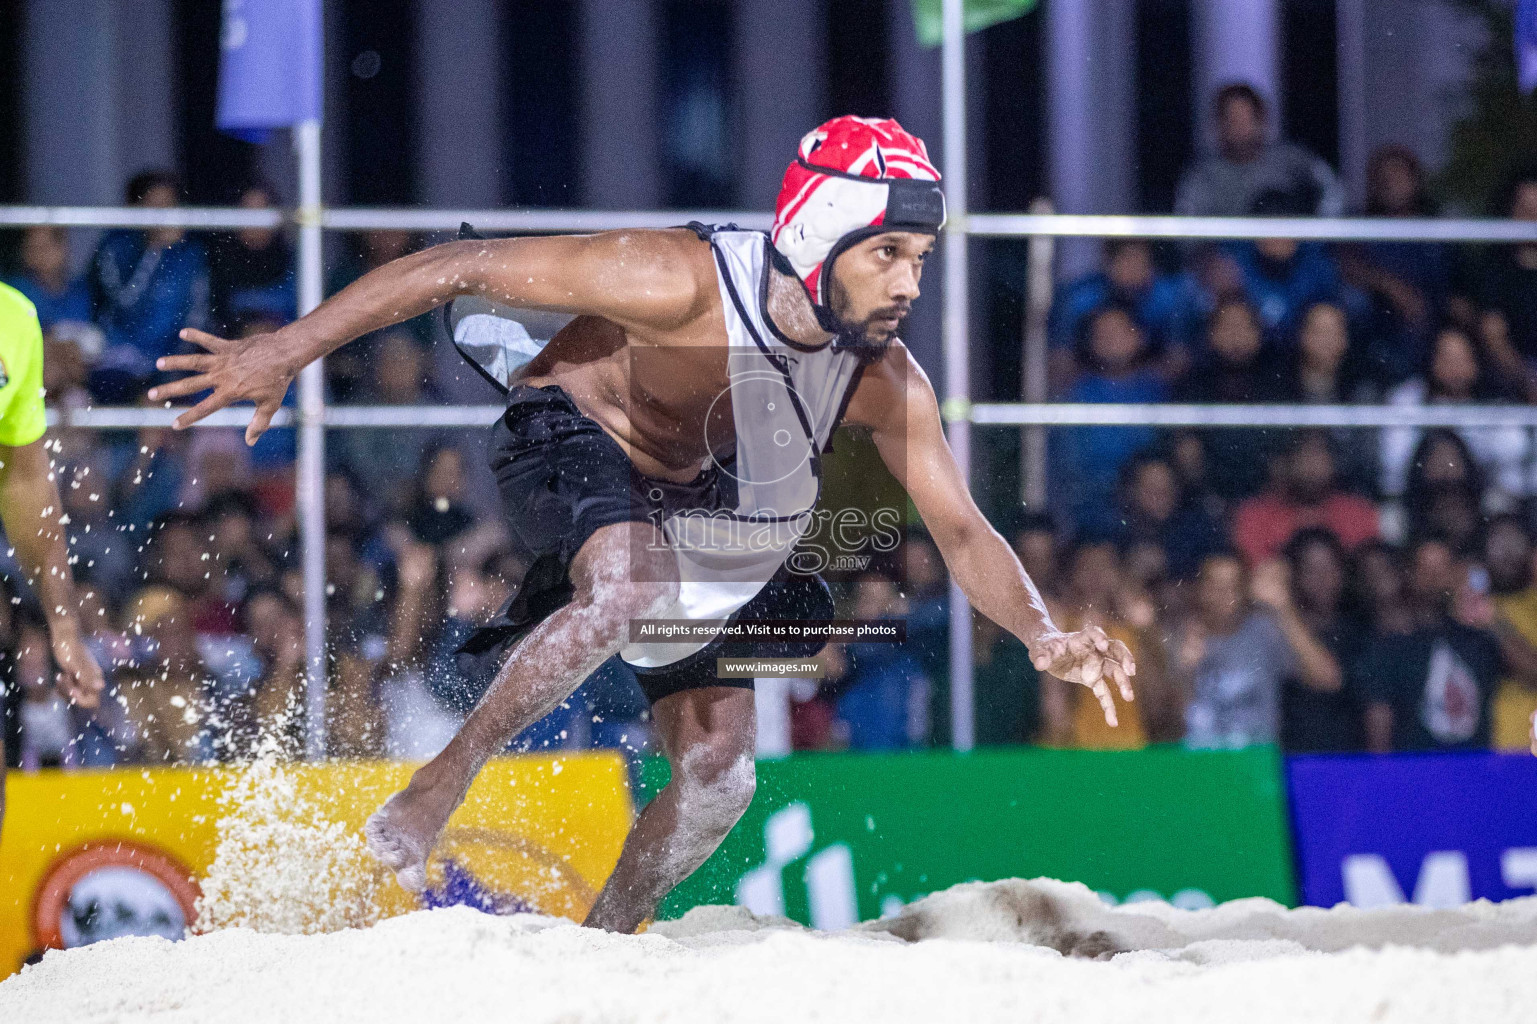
[
  {"x": 1282, "y": 277},
  {"x": 44, "y": 278},
  {"x": 883, "y": 701},
  {"x": 146, "y": 286},
  {"x": 252, "y": 270},
  {"x": 1155, "y": 509},
  {"x": 1236, "y": 367},
  {"x": 1113, "y": 353},
  {"x": 1405, "y": 283},
  {"x": 71, "y": 339},
  {"x": 1158, "y": 302}
]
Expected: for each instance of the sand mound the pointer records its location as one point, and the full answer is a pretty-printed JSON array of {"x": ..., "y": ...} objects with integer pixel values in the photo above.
[
  {"x": 1073, "y": 921},
  {"x": 980, "y": 952}
]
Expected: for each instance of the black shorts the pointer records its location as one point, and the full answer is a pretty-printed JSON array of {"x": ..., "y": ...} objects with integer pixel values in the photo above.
[{"x": 563, "y": 478}]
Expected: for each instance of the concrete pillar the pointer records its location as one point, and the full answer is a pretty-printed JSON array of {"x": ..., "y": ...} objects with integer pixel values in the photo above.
[
  {"x": 333, "y": 136},
  {"x": 1091, "y": 65},
  {"x": 460, "y": 158},
  {"x": 459, "y": 109},
  {"x": 1403, "y": 68},
  {"x": 780, "y": 72},
  {"x": 621, "y": 166},
  {"x": 99, "y": 100},
  {"x": 1350, "y": 35},
  {"x": 1235, "y": 41},
  {"x": 914, "y": 74},
  {"x": 146, "y": 55}
]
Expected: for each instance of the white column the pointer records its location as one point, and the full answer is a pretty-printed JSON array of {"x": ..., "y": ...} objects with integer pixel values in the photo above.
[
  {"x": 333, "y": 128},
  {"x": 1091, "y": 60},
  {"x": 1403, "y": 74},
  {"x": 620, "y": 127},
  {"x": 915, "y": 102},
  {"x": 68, "y": 43},
  {"x": 98, "y": 96},
  {"x": 459, "y": 109},
  {"x": 780, "y": 62},
  {"x": 1350, "y": 44},
  {"x": 1235, "y": 41},
  {"x": 914, "y": 76},
  {"x": 146, "y": 52}
]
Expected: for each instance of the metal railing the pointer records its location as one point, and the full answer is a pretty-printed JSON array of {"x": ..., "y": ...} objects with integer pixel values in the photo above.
[
  {"x": 979, "y": 225},
  {"x": 959, "y": 412}
]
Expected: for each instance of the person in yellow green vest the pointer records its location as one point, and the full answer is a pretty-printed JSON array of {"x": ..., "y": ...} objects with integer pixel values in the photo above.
[{"x": 31, "y": 510}]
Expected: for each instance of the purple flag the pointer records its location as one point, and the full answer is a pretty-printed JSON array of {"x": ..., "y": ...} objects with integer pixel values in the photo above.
[
  {"x": 270, "y": 55},
  {"x": 1526, "y": 44}
]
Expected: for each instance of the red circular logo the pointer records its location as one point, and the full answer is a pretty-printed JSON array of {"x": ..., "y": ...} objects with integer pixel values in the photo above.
[{"x": 106, "y": 889}]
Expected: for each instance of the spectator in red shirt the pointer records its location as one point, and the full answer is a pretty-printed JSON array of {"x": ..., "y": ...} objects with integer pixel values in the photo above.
[{"x": 1306, "y": 494}]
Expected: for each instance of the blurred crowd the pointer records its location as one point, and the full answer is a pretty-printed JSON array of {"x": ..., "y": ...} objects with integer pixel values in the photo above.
[
  {"x": 1327, "y": 590},
  {"x": 1321, "y": 589}
]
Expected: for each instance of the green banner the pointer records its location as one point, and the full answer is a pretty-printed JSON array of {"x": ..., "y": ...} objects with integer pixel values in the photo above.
[
  {"x": 928, "y": 15},
  {"x": 834, "y": 838}
]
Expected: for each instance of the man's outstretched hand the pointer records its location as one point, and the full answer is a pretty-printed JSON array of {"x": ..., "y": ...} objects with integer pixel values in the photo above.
[
  {"x": 255, "y": 369},
  {"x": 1089, "y": 658}
]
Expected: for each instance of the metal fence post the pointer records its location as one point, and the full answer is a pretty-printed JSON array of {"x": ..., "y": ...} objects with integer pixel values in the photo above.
[
  {"x": 1038, "y": 295},
  {"x": 312, "y": 439},
  {"x": 957, "y": 363}
]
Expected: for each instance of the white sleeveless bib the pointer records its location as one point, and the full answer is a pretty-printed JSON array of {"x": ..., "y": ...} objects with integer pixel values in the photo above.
[
  {"x": 785, "y": 400},
  {"x": 785, "y": 403}
]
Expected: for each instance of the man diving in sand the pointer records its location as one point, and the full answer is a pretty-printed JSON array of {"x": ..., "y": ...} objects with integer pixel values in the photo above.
[{"x": 685, "y": 406}]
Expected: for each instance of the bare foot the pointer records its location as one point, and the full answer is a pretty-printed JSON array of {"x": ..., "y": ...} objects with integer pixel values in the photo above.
[{"x": 402, "y": 833}]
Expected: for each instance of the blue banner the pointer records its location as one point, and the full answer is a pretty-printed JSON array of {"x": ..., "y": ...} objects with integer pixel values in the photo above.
[
  {"x": 1526, "y": 44},
  {"x": 1432, "y": 829},
  {"x": 270, "y": 54}
]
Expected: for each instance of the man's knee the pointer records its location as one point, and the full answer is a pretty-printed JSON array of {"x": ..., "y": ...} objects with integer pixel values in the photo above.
[
  {"x": 623, "y": 601},
  {"x": 626, "y": 571},
  {"x": 716, "y": 780}
]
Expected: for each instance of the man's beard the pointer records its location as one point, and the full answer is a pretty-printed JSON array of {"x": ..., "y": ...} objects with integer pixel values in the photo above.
[
  {"x": 855, "y": 338},
  {"x": 855, "y": 335}
]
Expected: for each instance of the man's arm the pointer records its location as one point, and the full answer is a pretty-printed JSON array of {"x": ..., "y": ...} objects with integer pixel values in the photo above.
[
  {"x": 895, "y": 399},
  {"x": 34, "y": 523},
  {"x": 642, "y": 280}
]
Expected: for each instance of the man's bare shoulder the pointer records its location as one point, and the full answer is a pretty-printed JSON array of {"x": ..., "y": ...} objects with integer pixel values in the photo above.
[
  {"x": 663, "y": 250},
  {"x": 643, "y": 279},
  {"x": 887, "y": 389},
  {"x": 681, "y": 244},
  {"x": 670, "y": 264}
]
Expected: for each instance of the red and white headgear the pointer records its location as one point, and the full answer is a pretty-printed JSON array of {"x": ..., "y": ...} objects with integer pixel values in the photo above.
[{"x": 854, "y": 177}]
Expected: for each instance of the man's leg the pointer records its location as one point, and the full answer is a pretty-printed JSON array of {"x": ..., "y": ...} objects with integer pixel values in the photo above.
[
  {"x": 708, "y": 734},
  {"x": 618, "y": 576}
]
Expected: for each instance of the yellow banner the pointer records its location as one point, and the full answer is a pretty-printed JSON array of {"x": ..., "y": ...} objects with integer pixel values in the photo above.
[{"x": 92, "y": 854}]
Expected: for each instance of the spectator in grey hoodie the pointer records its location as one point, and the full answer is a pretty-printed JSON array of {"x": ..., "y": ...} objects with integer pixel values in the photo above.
[{"x": 1248, "y": 163}]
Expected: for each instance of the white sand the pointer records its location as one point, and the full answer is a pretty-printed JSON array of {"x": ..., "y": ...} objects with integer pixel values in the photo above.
[{"x": 974, "y": 953}]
